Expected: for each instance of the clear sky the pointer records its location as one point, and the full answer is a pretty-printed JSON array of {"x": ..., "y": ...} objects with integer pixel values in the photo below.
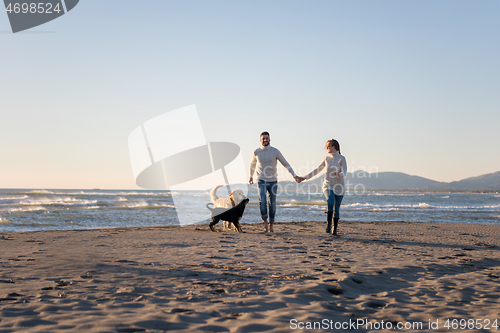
[{"x": 409, "y": 86}]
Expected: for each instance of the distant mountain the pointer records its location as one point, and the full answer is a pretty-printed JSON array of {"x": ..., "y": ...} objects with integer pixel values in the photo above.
[
  {"x": 388, "y": 180},
  {"x": 490, "y": 181},
  {"x": 403, "y": 181}
]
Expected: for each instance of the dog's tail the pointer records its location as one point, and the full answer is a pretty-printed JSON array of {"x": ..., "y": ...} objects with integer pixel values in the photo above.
[{"x": 213, "y": 193}]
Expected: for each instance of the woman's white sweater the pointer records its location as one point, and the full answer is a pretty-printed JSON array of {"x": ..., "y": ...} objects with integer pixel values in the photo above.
[{"x": 333, "y": 163}]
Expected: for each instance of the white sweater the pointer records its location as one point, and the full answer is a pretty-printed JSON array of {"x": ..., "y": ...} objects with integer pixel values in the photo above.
[
  {"x": 266, "y": 158},
  {"x": 333, "y": 163}
]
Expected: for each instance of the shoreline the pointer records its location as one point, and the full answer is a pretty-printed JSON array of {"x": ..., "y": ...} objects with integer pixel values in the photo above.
[
  {"x": 150, "y": 279},
  {"x": 199, "y": 226}
]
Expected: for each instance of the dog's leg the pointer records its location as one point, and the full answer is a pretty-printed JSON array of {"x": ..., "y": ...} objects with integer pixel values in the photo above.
[
  {"x": 229, "y": 226},
  {"x": 215, "y": 220},
  {"x": 237, "y": 226}
]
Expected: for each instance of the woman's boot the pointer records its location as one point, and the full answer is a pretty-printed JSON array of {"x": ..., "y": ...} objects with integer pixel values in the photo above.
[
  {"x": 329, "y": 220},
  {"x": 335, "y": 225}
]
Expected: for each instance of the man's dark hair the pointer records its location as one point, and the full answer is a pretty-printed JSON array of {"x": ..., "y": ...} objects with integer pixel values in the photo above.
[{"x": 265, "y": 133}]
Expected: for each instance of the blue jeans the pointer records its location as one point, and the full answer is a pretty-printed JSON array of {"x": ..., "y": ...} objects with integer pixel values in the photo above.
[
  {"x": 272, "y": 188},
  {"x": 333, "y": 201}
]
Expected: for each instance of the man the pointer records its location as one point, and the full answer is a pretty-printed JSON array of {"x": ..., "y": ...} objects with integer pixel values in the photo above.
[{"x": 265, "y": 159}]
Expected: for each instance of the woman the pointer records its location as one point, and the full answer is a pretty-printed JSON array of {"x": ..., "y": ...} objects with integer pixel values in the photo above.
[{"x": 333, "y": 186}]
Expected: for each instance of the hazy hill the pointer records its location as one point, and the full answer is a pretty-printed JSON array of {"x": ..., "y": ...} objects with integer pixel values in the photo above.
[
  {"x": 490, "y": 181},
  {"x": 403, "y": 181},
  {"x": 389, "y": 181}
]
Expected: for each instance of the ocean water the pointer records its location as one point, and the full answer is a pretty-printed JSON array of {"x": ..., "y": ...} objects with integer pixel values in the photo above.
[{"x": 34, "y": 210}]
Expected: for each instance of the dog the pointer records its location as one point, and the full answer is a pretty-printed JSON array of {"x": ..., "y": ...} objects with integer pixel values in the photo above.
[
  {"x": 235, "y": 197},
  {"x": 233, "y": 215},
  {"x": 229, "y": 209}
]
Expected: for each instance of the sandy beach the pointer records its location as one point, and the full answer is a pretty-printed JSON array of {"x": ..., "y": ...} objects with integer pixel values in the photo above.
[{"x": 194, "y": 280}]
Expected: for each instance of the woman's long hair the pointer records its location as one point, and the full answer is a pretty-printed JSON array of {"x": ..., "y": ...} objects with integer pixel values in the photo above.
[{"x": 333, "y": 143}]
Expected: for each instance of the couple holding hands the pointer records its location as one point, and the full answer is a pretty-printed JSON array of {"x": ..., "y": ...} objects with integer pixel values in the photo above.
[{"x": 264, "y": 163}]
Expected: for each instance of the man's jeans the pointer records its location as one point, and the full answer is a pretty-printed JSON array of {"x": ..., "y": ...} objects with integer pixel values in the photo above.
[{"x": 272, "y": 188}]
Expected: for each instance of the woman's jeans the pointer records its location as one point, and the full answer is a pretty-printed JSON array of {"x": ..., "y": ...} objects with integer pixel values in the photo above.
[
  {"x": 272, "y": 188},
  {"x": 333, "y": 201}
]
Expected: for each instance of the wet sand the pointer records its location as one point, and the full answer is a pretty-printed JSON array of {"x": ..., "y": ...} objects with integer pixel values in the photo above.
[{"x": 194, "y": 280}]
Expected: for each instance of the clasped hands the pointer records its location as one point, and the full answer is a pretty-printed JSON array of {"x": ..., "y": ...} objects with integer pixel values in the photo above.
[{"x": 299, "y": 179}]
